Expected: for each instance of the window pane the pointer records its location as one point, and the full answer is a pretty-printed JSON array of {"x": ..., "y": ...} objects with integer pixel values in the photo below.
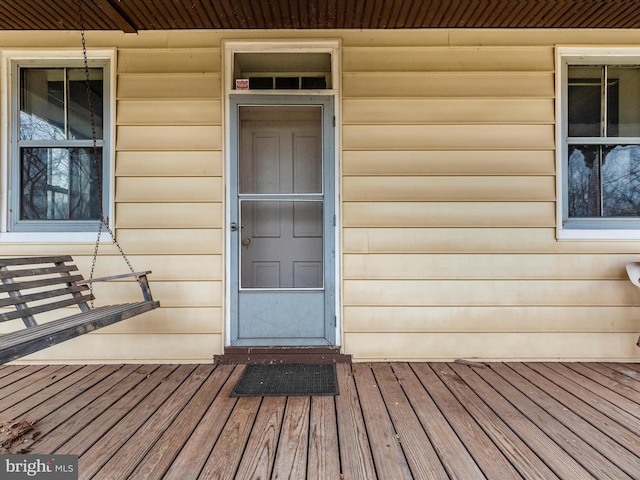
[
  {"x": 585, "y": 96},
  {"x": 79, "y": 113},
  {"x": 280, "y": 149},
  {"x": 42, "y": 104},
  {"x": 623, "y": 100},
  {"x": 584, "y": 181},
  {"x": 621, "y": 181},
  {"x": 59, "y": 184}
]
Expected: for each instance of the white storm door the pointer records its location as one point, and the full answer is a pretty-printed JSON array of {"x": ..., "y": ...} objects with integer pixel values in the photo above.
[{"x": 282, "y": 236}]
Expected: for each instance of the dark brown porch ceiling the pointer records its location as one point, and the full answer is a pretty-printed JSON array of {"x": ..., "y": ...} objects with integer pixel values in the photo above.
[{"x": 134, "y": 15}]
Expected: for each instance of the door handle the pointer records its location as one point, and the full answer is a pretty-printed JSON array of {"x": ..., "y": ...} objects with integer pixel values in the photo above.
[
  {"x": 246, "y": 242},
  {"x": 234, "y": 227}
]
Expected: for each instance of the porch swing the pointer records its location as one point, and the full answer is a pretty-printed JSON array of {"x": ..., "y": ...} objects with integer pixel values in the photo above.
[{"x": 44, "y": 286}]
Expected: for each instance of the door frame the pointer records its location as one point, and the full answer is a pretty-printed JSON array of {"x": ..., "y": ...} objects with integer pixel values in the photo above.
[{"x": 330, "y": 154}]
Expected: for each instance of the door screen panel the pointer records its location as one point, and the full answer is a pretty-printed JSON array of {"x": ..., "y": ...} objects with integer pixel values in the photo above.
[
  {"x": 282, "y": 244},
  {"x": 282, "y": 235}
]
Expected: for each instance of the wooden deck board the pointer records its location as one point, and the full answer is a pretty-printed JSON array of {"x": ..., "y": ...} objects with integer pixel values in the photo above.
[
  {"x": 388, "y": 457},
  {"x": 483, "y": 450},
  {"x": 355, "y": 453},
  {"x": 71, "y": 428},
  {"x": 581, "y": 417},
  {"x": 125, "y": 460},
  {"x": 398, "y": 420},
  {"x": 47, "y": 388},
  {"x": 259, "y": 456},
  {"x": 567, "y": 428},
  {"x": 444, "y": 439},
  {"x": 228, "y": 451},
  {"x": 611, "y": 404},
  {"x": 421, "y": 456},
  {"x": 291, "y": 459},
  {"x": 74, "y": 414},
  {"x": 552, "y": 454},
  {"x": 323, "y": 459},
  {"x": 160, "y": 456},
  {"x": 198, "y": 447},
  {"x": 479, "y": 400}
]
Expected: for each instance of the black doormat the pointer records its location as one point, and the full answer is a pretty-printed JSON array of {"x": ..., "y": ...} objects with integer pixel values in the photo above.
[{"x": 287, "y": 379}]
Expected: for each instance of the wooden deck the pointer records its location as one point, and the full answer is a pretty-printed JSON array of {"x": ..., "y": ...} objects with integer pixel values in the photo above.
[{"x": 390, "y": 421}]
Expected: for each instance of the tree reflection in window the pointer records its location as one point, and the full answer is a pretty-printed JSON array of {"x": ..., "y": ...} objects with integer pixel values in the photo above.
[
  {"x": 604, "y": 181},
  {"x": 603, "y": 173},
  {"x": 59, "y": 184},
  {"x": 58, "y": 174}
]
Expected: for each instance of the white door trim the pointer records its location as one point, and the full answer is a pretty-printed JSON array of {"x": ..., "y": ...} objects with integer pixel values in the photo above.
[{"x": 299, "y": 46}]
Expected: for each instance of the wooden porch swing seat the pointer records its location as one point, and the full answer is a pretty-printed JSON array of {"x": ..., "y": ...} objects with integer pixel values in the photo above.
[{"x": 45, "y": 286}]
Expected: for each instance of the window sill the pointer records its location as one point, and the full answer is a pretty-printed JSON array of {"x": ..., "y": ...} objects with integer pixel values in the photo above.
[
  {"x": 53, "y": 237},
  {"x": 597, "y": 234}
]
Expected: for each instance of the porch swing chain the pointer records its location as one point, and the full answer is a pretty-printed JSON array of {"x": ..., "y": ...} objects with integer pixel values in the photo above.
[{"x": 94, "y": 158}]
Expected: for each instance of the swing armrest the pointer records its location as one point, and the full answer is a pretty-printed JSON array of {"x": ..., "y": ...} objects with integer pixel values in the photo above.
[
  {"x": 115, "y": 277},
  {"x": 141, "y": 277}
]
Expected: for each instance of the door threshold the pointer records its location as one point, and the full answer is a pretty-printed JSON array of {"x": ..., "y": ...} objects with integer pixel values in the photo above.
[{"x": 265, "y": 355}]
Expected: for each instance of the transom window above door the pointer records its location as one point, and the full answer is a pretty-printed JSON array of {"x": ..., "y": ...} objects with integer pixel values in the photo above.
[{"x": 277, "y": 66}]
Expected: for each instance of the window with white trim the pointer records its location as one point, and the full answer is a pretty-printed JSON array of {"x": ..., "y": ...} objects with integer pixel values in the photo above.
[
  {"x": 58, "y": 180},
  {"x": 599, "y": 145}
]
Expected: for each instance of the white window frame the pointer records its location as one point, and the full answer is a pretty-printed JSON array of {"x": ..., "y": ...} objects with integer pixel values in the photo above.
[
  {"x": 592, "y": 229},
  {"x": 9, "y": 98}
]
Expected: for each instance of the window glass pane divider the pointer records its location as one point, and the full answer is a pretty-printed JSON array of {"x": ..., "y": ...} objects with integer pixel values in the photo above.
[
  {"x": 59, "y": 143},
  {"x": 313, "y": 197},
  {"x": 603, "y": 140},
  {"x": 65, "y": 93},
  {"x": 603, "y": 102}
]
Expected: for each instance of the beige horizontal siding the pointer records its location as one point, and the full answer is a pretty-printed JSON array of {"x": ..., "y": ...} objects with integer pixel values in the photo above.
[
  {"x": 448, "y": 162},
  {"x": 169, "y": 164},
  {"x": 448, "y": 84},
  {"x": 168, "y": 189},
  {"x": 447, "y": 59},
  {"x": 490, "y": 292},
  {"x": 496, "y": 319},
  {"x": 444, "y": 189},
  {"x": 172, "y": 320},
  {"x": 459, "y": 137},
  {"x": 169, "y": 86},
  {"x": 457, "y": 240},
  {"x": 449, "y": 195},
  {"x": 168, "y": 112},
  {"x": 447, "y": 214},
  {"x": 174, "y": 137},
  {"x": 448, "y": 110},
  {"x": 493, "y": 346},
  {"x": 136, "y": 348},
  {"x": 180, "y": 293},
  {"x": 486, "y": 266},
  {"x": 169, "y": 215},
  {"x": 176, "y": 241},
  {"x": 163, "y": 267},
  {"x": 175, "y": 60}
]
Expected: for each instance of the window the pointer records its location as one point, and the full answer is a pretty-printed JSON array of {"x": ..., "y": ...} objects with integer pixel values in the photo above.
[
  {"x": 599, "y": 146},
  {"x": 58, "y": 181}
]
